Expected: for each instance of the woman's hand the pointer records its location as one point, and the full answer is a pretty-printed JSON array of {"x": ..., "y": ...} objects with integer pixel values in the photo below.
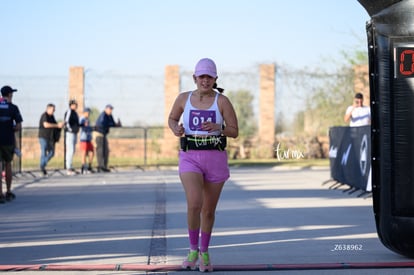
[
  {"x": 178, "y": 130},
  {"x": 210, "y": 127}
]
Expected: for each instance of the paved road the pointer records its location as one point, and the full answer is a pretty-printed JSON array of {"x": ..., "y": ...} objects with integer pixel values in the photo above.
[{"x": 133, "y": 222}]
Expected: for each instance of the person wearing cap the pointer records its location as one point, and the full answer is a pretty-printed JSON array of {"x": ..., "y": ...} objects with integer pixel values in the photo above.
[
  {"x": 357, "y": 114},
  {"x": 71, "y": 120},
  {"x": 86, "y": 145},
  {"x": 49, "y": 134},
  {"x": 10, "y": 122},
  {"x": 102, "y": 125},
  {"x": 208, "y": 117}
]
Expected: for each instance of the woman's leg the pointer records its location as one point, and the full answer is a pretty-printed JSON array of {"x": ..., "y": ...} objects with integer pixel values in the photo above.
[
  {"x": 211, "y": 197},
  {"x": 193, "y": 187}
]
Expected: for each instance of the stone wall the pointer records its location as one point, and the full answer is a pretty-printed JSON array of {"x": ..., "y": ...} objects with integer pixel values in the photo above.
[
  {"x": 76, "y": 86},
  {"x": 266, "y": 137},
  {"x": 171, "y": 91},
  {"x": 133, "y": 149}
]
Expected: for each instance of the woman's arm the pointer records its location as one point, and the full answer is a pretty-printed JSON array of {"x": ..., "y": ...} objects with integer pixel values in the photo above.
[
  {"x": 230, "y": 119},
  {"x": 175, "y": 114}
]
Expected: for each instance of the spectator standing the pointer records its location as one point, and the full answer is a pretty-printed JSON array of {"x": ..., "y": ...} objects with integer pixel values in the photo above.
[
  {"x": 71, "y": 135},
  {"x": 104, "y": 122},
  {"x": 86, "y": 145},
  {"x": 208, "y": 118},
  {"x": 49, "y": 134},
  {"x": 10, "y": 122},
  {"x": 357, "y": 114}
]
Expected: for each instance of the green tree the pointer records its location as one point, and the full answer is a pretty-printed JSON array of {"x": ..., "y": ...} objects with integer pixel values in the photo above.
[
  {"x": 280, "y": 126},
  {"x": 330, "y": 93},
  {"x": 93, "y": 116},
  {"x": 242, "y": 102}
]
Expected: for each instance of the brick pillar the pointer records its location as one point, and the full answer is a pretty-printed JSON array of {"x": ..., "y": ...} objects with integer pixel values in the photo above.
[
  {"x": 171, "y": 91},
  {"x": 76, "y": 86},
  {"x": 267, "y": 110},
  {"x": 361, "y": 82}
]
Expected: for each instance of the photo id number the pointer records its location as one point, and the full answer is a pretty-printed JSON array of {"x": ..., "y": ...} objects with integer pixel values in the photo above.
[{"x": 347, "y": 247}]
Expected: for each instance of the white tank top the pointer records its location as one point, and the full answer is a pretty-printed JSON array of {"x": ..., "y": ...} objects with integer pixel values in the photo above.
[{"x": 193, "y": 117}]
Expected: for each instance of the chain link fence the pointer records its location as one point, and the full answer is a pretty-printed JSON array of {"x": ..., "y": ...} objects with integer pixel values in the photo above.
[
  {"x": 138, "y": 99},
  {"x": 129, "y": 146},
  {"x": 139, "y": 103}
]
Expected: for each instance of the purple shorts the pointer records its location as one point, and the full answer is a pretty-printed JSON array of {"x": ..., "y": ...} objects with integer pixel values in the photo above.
[{"x": 212, "y": 164}]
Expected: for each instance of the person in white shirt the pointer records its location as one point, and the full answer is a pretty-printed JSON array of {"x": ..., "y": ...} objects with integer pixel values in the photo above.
[{"x": 358, "y": 114}]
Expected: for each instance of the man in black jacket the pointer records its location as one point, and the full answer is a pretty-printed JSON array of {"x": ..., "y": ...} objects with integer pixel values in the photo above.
[
  {"x": 10, "y": 122},
  {"x": 49, "y": 133},
  {"x": 103, "y": 123}
]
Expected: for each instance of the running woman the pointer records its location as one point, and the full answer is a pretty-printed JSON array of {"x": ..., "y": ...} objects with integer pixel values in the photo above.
[{"x": 208, "y": 117}]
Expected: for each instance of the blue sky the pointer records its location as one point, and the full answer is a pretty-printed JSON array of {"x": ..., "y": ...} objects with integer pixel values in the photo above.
[
  {"x": 141, "y": 36},
  {"x": 45, "y": 37}
]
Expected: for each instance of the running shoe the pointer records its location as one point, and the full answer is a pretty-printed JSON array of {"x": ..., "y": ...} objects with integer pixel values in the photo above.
[
  {"x": 191, "y": 261},
  {"x": 103, "y": 169},
  {"x": 90, "y": 169},
  {"x": 70, "y": 172},
  {"x": 10, "y": 196},
  {"x": 205, "y": 264}
]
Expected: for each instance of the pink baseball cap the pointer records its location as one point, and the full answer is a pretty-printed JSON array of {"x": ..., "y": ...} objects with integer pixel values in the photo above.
[{"x": 206, "y": 66}]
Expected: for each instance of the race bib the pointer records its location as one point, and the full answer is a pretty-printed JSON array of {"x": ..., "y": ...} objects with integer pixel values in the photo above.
[{"x": 197, "y": 117}]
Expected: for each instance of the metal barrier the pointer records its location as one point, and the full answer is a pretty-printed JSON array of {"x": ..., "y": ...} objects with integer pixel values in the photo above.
[{"x": 129, "y": 146}]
